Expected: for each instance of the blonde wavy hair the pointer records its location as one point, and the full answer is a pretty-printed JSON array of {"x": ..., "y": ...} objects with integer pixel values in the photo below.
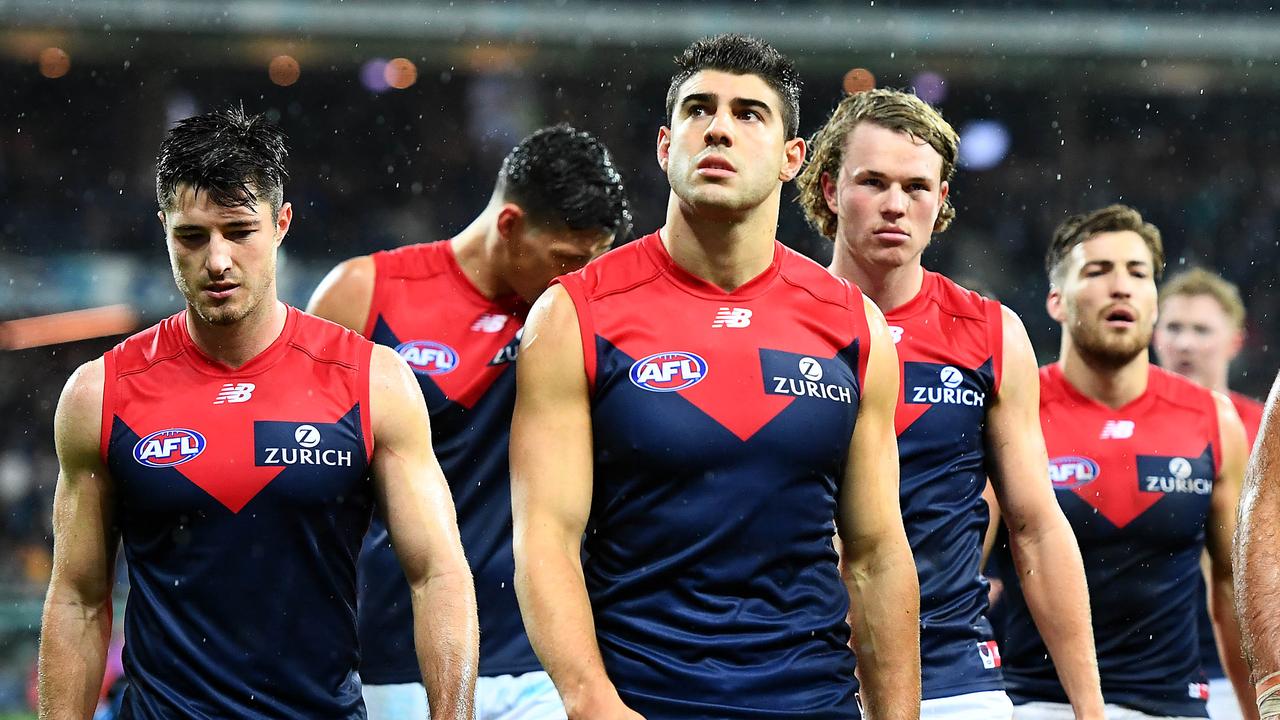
[{"x": 891, "y": 109}]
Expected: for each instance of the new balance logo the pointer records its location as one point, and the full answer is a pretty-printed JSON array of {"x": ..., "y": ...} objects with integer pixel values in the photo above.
[
  {"x": 896, "y": 333},
  {"x": 234, "y": 393},
  {"x": 1117, "y": 430},
  {"x": 489, "y": 323},
  {"x": 727, "y": 317}
]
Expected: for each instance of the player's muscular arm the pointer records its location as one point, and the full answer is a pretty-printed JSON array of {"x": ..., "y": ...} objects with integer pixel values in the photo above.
[
  {"x": 424, "y": 532},
  {"x": 551, "y": 484},
  {"x": 1257, "y": 549},
  {"x": 1224, "y": 504},
  {"x": 879, "y": 572},
  {"x": 1044, "y": 549},
  {"x": 76, "y": 626},
  {"x": 345, "y": 294}
]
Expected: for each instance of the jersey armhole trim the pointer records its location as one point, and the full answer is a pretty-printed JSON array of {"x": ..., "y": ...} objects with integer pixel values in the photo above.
[
  {"x": 1215, "y": 447},
  {"x": 108, "y": 403},
  {"x": 861, "y": 334},
  {"x": 363, "y": 378},
  {"x": 375, "y": 297},
  {"x": 573, "y": 287},
  {"x": 995, "y": 339}
]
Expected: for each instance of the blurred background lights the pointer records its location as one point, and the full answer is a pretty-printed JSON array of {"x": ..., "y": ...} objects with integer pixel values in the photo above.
[
  {"x": 983, "y": 144},
  {"x": 859, "y": 80},
  {"x": 283, "y": 70},
  {"x": 400, "y": 73},
  {"x": 930, "y": 87},
  {"x": 373, "y": 75},
  {"x": 54, "y": 62}
]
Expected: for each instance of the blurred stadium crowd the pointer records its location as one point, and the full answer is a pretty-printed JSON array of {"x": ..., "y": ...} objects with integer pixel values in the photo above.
[{"x": 376, "y": 167}]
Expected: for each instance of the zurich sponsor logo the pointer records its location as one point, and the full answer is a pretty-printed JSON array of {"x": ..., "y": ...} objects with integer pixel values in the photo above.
[
  {"x": 668, "y": 371},
  {"x": 1068, "y": 473},
  {"x": 950, "y": 377},
  {"x": 166, "y": 448},
  {"x": 427, "y": 357}
]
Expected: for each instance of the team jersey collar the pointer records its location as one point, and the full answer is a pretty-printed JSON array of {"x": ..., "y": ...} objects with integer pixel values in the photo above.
[
  {"x": 510, "y": 304},
  {"x": 695, "y": 285},
  {"x": 261, "y": 362},
  {"x": 928, "y": 287},
  {"x": 1134, "y": 406}
]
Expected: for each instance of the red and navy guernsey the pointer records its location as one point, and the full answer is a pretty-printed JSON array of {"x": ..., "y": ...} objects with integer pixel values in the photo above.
[
  {"x": 721, "y": 426},
  {"x": 462, "y": 347},
  {"x": 241, "y": 497},
  {"x": 950, "y": 346},
  {"x": 1135, "y": 483}
]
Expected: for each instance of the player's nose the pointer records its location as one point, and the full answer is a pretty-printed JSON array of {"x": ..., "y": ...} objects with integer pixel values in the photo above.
[
  {"x": 218, "y": 261},
  {"x": 894, "y": 202},
  {"x": 719, "y": 130}
]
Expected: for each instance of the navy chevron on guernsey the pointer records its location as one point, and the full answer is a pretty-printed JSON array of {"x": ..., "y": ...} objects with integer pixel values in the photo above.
[
  {"x": 242, "y": 572},
  {"x": 460, "y": 345},
  {"x": 719, "y": 452}
]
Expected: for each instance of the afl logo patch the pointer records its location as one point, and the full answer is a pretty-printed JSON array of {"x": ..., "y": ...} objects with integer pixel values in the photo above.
[
  {"x": 427, "y": 357},
  {"x": 668, "y": 371},
  {"x": 1068, "y": 473},
  {"x": 167, "y": 448}
]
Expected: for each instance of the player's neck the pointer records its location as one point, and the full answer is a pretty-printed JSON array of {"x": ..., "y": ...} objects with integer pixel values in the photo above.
[
  {"x": 889, "y": 288},
  {"x": 475, "y": 249},
  {"x": 236, "y": 344},
  {"x": 1106, "y": 384},
  {"x": 726, "y": 251}
]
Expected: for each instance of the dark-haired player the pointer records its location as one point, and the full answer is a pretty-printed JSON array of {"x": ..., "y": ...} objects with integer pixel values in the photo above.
[
  {"x": 1146, "y": 465},
  {"x": 237, "y": 448},
  {"x": 689, "y": 402},
  {"x": 1199, "y": 332},
  {"x": 454, "y": 310},
  {"x": 877, "y": 185}
]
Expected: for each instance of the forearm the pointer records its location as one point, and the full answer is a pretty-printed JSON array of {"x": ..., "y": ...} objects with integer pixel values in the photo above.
[
  {"x": 557, "y": 616},
  {"x": 884, "y": 595},
  {"x": 446, "y": 634},
  {"x": 73, "y": 654},
  {"x": 1257, "y": 580},
  {"x": 1053, "y": 582},
  {"x": 1228, "y": 631}
]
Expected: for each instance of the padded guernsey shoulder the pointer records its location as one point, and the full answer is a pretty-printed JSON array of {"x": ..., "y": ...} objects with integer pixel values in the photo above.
[
  {"x": 961, "y": 301},
  {"x": 156, "y": 344},
  {"x": 618, "y": 270},
  {"x": 801, "y": 272},
  {"x": 413, "y": 261},
  {"x": 1180, "y": 391},
  {"x": 328, "y": 341}
]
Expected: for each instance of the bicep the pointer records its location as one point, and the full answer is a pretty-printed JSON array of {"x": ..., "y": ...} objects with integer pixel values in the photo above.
[
  {"x": 345, "y": 295},
  {"x": 869, "y": 495},
  {"x": 84, "y": 533},
  {"x": 410, "y": 486},
  {"x": 551, "y": 448},
  {"x": 1225, "y": 500}
]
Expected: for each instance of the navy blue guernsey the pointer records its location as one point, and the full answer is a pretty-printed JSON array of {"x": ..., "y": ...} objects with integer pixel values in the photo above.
[
  {"x": 1135, "y": 484},
  {"x": 461, "y": 346},
  {"x": 949, "y": 341},
  {"x": 241, "y": 497},
  {"x": 721, "y": 425}
]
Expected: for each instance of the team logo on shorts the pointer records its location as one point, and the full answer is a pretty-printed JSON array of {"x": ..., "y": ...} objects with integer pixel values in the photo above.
[
  {"x": 167, "y": 448},
  {"x": 427, "y": 357},
  {"x": 668, "y": 371},
  {"x": 1072, "y": 471}
]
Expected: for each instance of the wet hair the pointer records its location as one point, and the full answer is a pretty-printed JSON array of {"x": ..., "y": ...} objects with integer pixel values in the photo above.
[
  {"x": 566, "y": 176},
  {"x": 742, "y": 55},
  {"x": 1112, "y": 218},
  {"x": 890, "y": 109},
  {"x": 234, "y": 157},
  {"x": 1198, "y": 281}
]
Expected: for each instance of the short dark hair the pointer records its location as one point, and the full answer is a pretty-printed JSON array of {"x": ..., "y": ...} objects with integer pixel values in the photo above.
[
  {"x": 742, "y": 55},
  {"x": 563, "y": 175},
  {"x": 234, "y": 157},
  {"x": 1112, "y": 218}
]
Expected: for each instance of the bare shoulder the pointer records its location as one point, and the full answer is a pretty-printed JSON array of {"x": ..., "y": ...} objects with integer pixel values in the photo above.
[
  {"x": 551, "y": 320},
  {"x": 345, "y": 294},
  {"x": 77, "y": 424}
]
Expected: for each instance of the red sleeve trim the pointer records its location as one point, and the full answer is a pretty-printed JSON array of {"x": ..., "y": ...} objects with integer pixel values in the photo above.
[
  {"x": 375, "y": 298},
  {"x": 108, "y": 402},
  {"x": 995, "y": 338},
  {"x": 572, "y": 284},
  {"x": 364, "y": 363},
  {"x": 862, "y": 332}
]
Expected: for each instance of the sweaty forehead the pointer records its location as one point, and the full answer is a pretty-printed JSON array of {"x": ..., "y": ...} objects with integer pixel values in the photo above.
[
  {"x": 193, "y": 206},
  {"x": 876, "y": 148},
  {"x": 1196, "y": 308},
  {"x": 728, "y": 87},
  {"x": 1121, "y": 247}
]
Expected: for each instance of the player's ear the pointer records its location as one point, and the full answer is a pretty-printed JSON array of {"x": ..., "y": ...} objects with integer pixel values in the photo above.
[
  {"x": 164, "y": 226},
  {"x": 664, "y": 147},
  {"x": 1053, "y": 304},
  {"x": 793, "y": 159},
  {"x": 510, "y": 222},
  {"x": 284, "y": 218},
  {"x": 829, "y": 193}
]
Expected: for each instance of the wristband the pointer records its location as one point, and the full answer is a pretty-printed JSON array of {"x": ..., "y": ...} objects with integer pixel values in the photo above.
[{"x": 1267, "y": 690}]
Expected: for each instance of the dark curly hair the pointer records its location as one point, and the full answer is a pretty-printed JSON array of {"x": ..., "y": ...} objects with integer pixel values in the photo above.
[
  {"x": 563, "y": 175},
  {"x": 742, "y": 55},
  {"x": 236, "y": 158}
]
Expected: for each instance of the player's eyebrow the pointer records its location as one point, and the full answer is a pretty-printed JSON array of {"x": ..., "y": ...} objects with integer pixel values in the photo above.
[
  {"x": 868, "y": 172},
  {"x": 739, "y": 102}
]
